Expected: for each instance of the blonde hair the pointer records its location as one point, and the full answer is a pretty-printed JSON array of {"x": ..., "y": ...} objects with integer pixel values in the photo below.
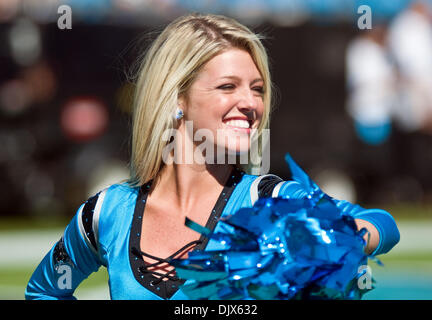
[{"x": 167, "y": 72}]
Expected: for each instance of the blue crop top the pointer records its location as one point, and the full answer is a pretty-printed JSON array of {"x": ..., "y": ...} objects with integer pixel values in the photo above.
[{"x": 106, "y": 232}]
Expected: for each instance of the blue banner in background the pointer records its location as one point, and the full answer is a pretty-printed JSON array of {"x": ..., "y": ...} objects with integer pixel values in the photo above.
[{"x": 279, "y": 12}]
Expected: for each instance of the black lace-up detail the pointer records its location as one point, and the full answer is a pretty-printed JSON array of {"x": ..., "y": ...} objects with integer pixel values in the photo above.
[
  {"x": 170, "y": 275},
  {"x": 165, "y": 285}
]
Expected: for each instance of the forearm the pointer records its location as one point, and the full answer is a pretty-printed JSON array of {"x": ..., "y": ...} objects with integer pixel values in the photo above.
[
  {"x": 50, "y": 283},
  {"x": 383, "y": 233},
  {"x": 63, "y": 268},
  {"x": 372, "y": 237}
]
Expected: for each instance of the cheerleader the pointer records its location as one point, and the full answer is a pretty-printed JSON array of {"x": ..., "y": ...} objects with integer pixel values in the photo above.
[{"x": 212, "y": 72}]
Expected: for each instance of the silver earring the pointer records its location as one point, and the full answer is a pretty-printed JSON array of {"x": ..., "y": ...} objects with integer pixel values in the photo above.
[{"x": 178, "y": 114}]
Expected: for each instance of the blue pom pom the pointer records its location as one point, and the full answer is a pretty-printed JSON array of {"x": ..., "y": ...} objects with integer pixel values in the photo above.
[{"x": 279, "y": 249}]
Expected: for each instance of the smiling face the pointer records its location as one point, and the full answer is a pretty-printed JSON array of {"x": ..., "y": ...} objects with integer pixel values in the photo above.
[{"x": 226, "y": 98}]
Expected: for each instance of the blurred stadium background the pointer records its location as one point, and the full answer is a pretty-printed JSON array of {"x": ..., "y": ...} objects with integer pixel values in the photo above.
[{"x": 349, "y": 110}]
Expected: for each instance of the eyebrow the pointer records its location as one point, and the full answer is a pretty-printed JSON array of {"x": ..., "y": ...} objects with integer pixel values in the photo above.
[{"x": 237, "y": 78}]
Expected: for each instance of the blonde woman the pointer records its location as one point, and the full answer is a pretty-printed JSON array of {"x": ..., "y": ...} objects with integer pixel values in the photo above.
[{"x": 205, "y": 78}]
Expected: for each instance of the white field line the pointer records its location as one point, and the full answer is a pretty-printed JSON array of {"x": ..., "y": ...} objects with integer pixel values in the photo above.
[
  {"x": 26, "y": 247},
  {"x": 17, "y": 293},
  {"x": 20, "y": 248},
  {"x": 415, "y": 237}
]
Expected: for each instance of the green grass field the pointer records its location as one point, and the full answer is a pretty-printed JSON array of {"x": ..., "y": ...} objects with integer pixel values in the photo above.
[
  {"x": 14, "y": 280},
  {"x": 406, "y": 274},
  {"x": 401, "y": 277}
]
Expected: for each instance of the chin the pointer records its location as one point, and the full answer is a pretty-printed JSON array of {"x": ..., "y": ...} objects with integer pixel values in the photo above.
[{"x": 239, "y": 150}]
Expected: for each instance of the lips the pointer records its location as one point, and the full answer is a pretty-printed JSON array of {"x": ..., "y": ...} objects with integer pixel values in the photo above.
[{"x": 239, "y": 124}]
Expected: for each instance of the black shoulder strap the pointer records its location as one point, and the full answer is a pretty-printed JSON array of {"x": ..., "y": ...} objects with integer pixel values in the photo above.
[
  {"x": 264, "y": 186},
  {"x": 89, "y": 220},
  {"x": 267, "y": 185}
]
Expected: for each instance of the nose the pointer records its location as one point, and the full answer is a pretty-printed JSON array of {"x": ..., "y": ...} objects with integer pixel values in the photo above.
[{"x": 248, "y": 101}]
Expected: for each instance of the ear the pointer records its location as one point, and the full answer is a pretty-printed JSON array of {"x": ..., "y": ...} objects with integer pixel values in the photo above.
[{"x": 182, "y": 102}]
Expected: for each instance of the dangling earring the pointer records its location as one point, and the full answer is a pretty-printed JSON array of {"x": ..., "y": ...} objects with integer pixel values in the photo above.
[{"x": 178, "y": 114}]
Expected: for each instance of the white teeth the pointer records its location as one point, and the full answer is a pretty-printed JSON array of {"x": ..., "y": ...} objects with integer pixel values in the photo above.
[{"x": 238, "y": 123}]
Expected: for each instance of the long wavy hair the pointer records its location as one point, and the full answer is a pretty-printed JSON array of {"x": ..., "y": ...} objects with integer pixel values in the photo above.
[{"x": 167, "y": 71}]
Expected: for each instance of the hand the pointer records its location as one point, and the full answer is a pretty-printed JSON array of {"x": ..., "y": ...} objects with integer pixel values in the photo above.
[{"x": 371, "y": 237}]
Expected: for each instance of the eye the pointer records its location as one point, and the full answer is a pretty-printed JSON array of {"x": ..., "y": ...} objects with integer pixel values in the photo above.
[
  {"x": 259, "y": 89},
  {"x": 228, "y": 86}
]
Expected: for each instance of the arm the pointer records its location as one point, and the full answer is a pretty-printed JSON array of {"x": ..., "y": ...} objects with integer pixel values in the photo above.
[
  {"x": 66, "y": 265},
  {"x": 383, "y": 231},
  {"x": 372, "y": 238}
]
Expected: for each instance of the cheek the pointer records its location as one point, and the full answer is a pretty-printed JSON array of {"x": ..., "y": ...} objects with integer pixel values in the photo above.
[
  {"x": 260, "y": 109},
  {"x": 208, "y": 112}
]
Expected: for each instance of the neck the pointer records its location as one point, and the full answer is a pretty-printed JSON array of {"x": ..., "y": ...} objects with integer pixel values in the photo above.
[
  {"x": 186, "y": 184},
  {"x": 189, "y": 177}
]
